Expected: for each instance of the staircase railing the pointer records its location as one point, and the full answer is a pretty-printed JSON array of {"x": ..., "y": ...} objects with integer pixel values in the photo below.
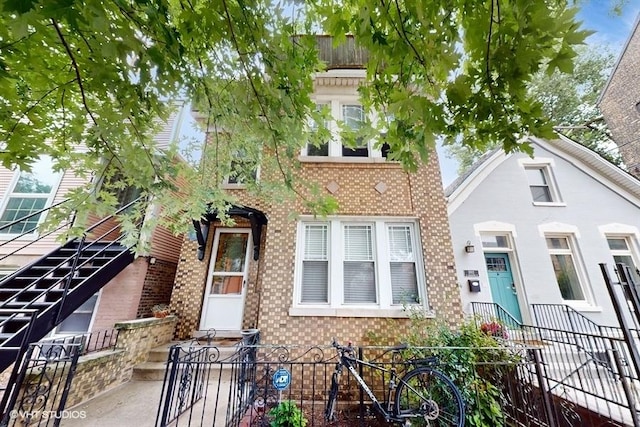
[
  {"x": 566, "y": 318},
  {"x": 82, "y": 246},
  {"x": 22, "y": 349},
  {"x": 39, "y": 237}
]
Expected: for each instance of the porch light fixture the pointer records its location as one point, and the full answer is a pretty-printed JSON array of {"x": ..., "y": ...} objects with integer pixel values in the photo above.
[{"x": 469, "y": 248}]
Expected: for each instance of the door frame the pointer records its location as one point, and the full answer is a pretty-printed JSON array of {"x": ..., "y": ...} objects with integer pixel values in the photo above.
[
  {"x": 510, "y": 252},
  {"x": 209, "y": 278}
]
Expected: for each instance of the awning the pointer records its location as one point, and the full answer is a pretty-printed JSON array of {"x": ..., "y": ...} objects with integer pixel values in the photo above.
[{"x": 256, "y": 217}]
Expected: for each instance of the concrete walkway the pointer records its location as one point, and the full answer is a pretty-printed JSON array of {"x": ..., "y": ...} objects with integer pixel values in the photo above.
[{"x": 133, "y": 404}]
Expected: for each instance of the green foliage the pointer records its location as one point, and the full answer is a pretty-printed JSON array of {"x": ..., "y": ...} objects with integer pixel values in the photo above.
[
  {"x": 568, "y": 99},
  {"x": 102, "y": 75},
  {"x": 287, "y": 414},
  {"x": 471, "y": 358}
]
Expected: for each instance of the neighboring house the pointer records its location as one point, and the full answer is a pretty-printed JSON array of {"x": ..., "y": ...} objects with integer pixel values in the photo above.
[
  {"x": 146, "y": 281},
  {"x": 305, "y": 281},
  {"x": 620, "y": 102},
  {"x": 533, "y": 230}
]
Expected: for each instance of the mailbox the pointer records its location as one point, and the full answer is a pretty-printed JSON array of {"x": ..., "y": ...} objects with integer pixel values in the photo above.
[{"x": 474, "y": 285}]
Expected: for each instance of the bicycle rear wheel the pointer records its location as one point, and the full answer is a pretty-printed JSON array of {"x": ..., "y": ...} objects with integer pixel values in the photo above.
[
  {"x": 426, "y": 397},
  {"x": 330, "y": 412}
]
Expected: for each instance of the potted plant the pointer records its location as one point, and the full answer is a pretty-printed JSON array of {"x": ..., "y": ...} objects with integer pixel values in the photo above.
[{"x": 160, "y": 310}]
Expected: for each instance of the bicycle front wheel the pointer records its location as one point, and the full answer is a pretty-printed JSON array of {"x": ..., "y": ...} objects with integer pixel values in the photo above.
[{"x": 426, "y": 397}]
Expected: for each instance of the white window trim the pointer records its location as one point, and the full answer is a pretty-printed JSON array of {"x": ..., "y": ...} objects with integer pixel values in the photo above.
[
  {"x": 583, "y": 279},
  {"x": 547, "y": 165},
  {"x": 9, "y": 193},
  {"x": 335, "y": 104},
  {"x": 632, "y": 248},
  {"x": 384, "y": 307}
]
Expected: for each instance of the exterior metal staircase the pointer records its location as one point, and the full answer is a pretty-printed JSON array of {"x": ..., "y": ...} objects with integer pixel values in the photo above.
[{"x": 39, "y": 296}]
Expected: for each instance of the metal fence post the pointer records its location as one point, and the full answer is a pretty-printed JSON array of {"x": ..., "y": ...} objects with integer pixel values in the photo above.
[
  {"x": 624, "y": 324},
  {"x": 625, "y": 386},
  {"x": 168, "y": 385},
  {"x": 546, "y": 394}
]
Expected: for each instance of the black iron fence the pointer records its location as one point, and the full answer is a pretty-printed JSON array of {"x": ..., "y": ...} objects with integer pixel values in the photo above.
[
  {"x": 508, "y": 385},
  {"x": 39, "y": 393}
]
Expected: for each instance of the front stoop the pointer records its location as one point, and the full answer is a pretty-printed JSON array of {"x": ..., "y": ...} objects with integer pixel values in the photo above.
[{"x": 155, "y": 366}]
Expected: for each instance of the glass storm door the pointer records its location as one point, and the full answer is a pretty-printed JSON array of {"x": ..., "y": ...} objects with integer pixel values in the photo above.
[
  {"x": 501, "y": 282},
  {"x": 226, "y": 285}
]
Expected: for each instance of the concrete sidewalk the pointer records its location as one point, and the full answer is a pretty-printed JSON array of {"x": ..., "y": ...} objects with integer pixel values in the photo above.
[{"x": 133, "y": 404}]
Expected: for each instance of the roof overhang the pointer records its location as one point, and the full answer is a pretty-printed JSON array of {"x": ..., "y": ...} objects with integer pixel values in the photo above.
[{"x": 256, "y": 218}]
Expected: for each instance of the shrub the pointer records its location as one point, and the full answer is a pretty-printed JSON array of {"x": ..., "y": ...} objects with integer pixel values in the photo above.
[
  {"x": 287, "y": 414},
  {"x": 473, "y": 359}
]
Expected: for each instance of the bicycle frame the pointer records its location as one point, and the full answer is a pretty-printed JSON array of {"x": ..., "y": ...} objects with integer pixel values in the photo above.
[{"x": 351, "y": 362}]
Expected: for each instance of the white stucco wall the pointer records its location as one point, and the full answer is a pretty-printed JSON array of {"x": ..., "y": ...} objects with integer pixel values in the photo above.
[{"x": 502, "y": 201}]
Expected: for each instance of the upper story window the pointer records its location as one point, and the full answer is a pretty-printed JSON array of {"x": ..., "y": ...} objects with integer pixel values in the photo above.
[
  {"x": 353, "y": 118},
  {"x": 241, "y": 170},
  {"x": 321, "y": 147},
  {"x": 348, "y": 119},
  {"x": 30, "y": 193},
  {"x": 544, "y": 191},
  {"x": 565, "y": 267},
  {"x": 368, "y": 263}
]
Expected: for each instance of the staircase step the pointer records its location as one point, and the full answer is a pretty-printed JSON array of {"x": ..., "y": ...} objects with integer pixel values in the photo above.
[
  {"x": 40, "y": 305},
  {"x": 30, "y": 294}
]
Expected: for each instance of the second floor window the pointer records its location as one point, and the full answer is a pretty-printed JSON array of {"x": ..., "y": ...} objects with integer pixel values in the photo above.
[
  {"x": 541, "y": 184},
  {"x": 31, "y": 192}
]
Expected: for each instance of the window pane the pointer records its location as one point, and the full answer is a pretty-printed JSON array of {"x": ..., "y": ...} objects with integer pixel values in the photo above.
[
  {"x": 315, "y": 280},
  {"x": 79, "y": 320},
  {"x": 557, "y": 243},
  {"x": 567, "y": 277},
  {"x": 400, "y": 247},
  {"x": 540, "y": 194},
  {"x": 40, "y": 180},
  {"x": 232, "y": 249},
  {"x": 315, "y": 242},
  {"x": 322, "y": 150},
  {"x": 536, "y": 176},
  {"x": 353, "y": 116},
  {"x": 617, "y": 244},
  {"x": 495, "y": 242},
  {"x": 404, "y": 284},
  {"x": 359, "y": 282},
  {"x": 357, "y": 243},
  {"x": 628, "y": 261},
  {"x": 17, "y": 208}
]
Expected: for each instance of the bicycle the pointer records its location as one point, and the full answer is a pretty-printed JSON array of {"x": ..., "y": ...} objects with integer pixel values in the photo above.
[{"x": 423, "y": 395}]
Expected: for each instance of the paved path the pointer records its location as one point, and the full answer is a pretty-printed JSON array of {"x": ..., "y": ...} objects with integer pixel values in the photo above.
[{"x": 133, "y": 404}]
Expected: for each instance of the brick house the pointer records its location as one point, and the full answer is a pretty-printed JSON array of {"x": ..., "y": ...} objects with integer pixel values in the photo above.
[
  {"x": 307, "y": 280},
  {"x": 620, "y": 102},
  {"x": 146, "y": 281}
]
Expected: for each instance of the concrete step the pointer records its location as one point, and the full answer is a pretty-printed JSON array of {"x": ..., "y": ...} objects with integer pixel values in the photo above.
[{"x": 155, "y": 366}]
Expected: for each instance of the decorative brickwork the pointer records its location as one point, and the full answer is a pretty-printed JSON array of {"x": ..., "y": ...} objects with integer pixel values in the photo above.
[
  {"x": 157, "y": 287},
  {"x": 620, "y": 104},
  {"x": 271, "y": 278}
]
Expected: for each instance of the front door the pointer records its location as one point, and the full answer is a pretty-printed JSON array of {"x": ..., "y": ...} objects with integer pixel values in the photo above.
[
  {"x": 501, "y": 282},
  {"x": 226, "y": 285}
]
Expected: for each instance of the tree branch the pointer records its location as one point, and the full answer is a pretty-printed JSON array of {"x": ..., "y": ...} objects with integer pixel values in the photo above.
[{"x": 81, "y": 85}]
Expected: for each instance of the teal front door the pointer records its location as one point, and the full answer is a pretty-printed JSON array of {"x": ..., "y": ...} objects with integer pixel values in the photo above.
[{"x": 501, "y": 282}]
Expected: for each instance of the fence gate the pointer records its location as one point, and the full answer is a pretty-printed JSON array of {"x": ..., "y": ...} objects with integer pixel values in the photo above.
[{"x": 42, "y": 382}]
